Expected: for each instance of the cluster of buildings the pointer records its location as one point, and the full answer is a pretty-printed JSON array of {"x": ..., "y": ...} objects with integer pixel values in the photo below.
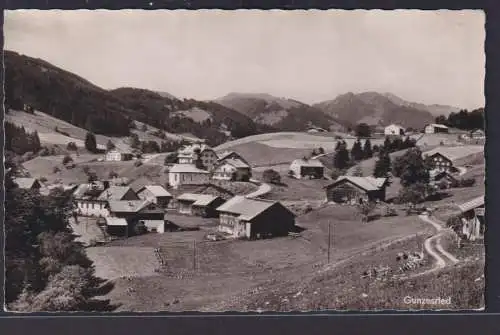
[{"x": 198, "y": 164}]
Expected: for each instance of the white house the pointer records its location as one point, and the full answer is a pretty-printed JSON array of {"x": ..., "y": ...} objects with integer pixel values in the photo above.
[
  {"x": 87, "y": 202},
  {"x": 187, "y": 174},
  {"x": 435, "y": 128},
  {"x": 232, "y": 169},
  {"x": 115, "y": 155},
  {"x": 310, "y": 168},
  {"x": 394, "y": 129}
]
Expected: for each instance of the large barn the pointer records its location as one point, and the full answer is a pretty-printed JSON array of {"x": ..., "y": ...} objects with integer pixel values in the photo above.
[
  {"x": 356, "y": 190},
  {"x": 307, "y": 168},
  {"x": 255, "y": 218}
]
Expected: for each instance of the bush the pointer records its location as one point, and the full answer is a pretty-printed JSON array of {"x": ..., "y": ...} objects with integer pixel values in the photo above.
[
  {"x": 137, "y": 163},
  {"x": 72, "y": 146},
  {"x": 44, "y": 152},
  {"x": 466, "y": 182},
  {"x": 67, "y": 159},
  {"x": 112, "y": 174},
  {"x": 43, "y": 179},
  {"x": 56, "y": 169},
  {"x": 413, "y": 194},
  {"x": 388, "y": 211},
  {"x": 271, "y": 176}
]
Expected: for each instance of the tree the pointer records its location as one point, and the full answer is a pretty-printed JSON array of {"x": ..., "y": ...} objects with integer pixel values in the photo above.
[
  {"x": 411, "y": 168},
  {"x": 171, "y": 158},
  {"x": 112, "y": 174},
  {"x": 367, "y": 149},
  {"x": 67, "y": 159},
  {"x": 90, "y": 142},
  {"x": 321, "y": 151},
  {"x": 363, "y": 130},
  {"x": 72, "y": 146},
  {"x": 413, "y": 193},
  {"x": 357, "y": 151},
  {"x": 341, "y": 157},
  {"x": 110, "y": 145},
  {"x": 271, "y": 176},
  {"x": 382, "y": 166}
]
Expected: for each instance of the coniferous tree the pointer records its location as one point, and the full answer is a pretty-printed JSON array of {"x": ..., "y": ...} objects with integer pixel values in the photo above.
[
  {"x": 367, "y": 149},
  {"x": 90, "y": 142},
  {"x": 357, "y": 151},
  {"x": 341, "y": 157},
  {"x": 382, "y": 166}
]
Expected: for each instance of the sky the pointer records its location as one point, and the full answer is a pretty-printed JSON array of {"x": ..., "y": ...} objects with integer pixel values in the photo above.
[{"x": 422, "y": 56}]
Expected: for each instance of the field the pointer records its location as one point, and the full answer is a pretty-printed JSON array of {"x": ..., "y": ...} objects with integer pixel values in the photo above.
[{"x": 296, "y": 189}]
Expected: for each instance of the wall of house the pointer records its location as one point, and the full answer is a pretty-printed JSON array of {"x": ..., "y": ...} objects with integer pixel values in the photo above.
[
  {"x": 441, "y": 163},
  {"x": 311, "y": 171},
  {"x": 346, "y": 193},
  {"x": 228, "y": 223},
  {"x": 185, "y": 207},
  {"x": 224, "y": 172},
  {"x": 179, "y": 178},
  {"x": 208, "y": 159},
  {"x": 91, "y": 208},
  {"x": 276, "y": 221}
]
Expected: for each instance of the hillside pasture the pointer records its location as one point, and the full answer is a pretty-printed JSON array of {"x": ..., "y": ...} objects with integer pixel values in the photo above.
[{"x": 116, "y": 262}]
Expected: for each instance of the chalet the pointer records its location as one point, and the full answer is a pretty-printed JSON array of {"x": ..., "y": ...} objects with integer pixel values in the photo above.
[
  {"x": 356, "y": 190},
  {"x": 232, "y": 169},
  {"x": 87, "y": 200},
  {"x": 394, "y": 129},
  {"x": 307, "y": 168},
  {"x": 156, "y": 194},
  {"x": 28, "y": 183},
  {"x": 133, "y": 211},
  {"x": 231, "y": 155},
  {"x": 118, "y": 193},
  {"x": 115, "y": 155},
  {"x": 477, "y": 134},
  {"x": 190, "y": 154},
  {"x": 447, "y": 158},
  {"x": 472, "y": 218},
  {"x": 203, "y": 205},
  {"x": 442, "y": 179},
  {"x": 255, "y": 218},
  {"x": 434, "y": 128},
  {"x": 187, "y": 174}
]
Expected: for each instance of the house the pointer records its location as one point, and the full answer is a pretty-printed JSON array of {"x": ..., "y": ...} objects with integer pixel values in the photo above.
[
  {"x": 394, "y": 129},
  {"x": 472, "y": 218},
  {"x": 434, "y": 128},
  {"x": 186, "y": 174},
  {"x": 154, "y": 226},
  {"x": 156, "y": 194},
  {"x": 139, "y": 183},
  {"x": 118, "y": 193},
  {"x": 232, "y": 169},
  {"x": 203, "y": 205},
  {"x": 28, "y": 183},
  {"x": 115, "y": 155},
  {"x": 356, "y": 190},
  {"x": 442, "y": 179},
  {"x": 87, "y": 202},
  {"x": 133, "y": 211},
  {"x": 231, "y": 155},
  {"x": 307, "y": 168},
  {"x": 448, "y": 157},
  {"x": 477, "y": 134},
  {"x": 255, "y": 218},
  {"x": 191, "y": 153}
]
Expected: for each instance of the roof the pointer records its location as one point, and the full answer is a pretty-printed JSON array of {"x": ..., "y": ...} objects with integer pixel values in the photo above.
[
  {"x": 237, "y": 163},
  {"x": 198, "y": 199},
  {"x": 437, "y": 125},
  {"x": 25, "y": 183},
  {"x": 189, "y": 149},
  {"x": 457, "y": 152},
  {"x": 139, "y": 183},
  {"x": 112, "y": 221},
  {"x": 81, "y": 192},
  {"x": 247, "y": 208},
  {"x": 127, "y": 206},
  {"x": 366, "y": 183},
  {"x": 156, "y": 190},
  {"x": 309, "y": 162},
  {"x": 471, "y": 204},
  {"x": 185, "y": 168},
  {"x": 124, "y": 152},
  {"x": 395, "y": 125},
  {"x": 114, "y": 193}
]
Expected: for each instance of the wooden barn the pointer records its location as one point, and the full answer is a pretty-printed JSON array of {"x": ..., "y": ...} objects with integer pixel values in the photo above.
[
  {"x": 255, "y": 218},
  {"x": 472, "y": 217},
  {"x": 356, "y": 190},
  {"x": 156, "y": 194},
  {"x": 203, "y": 205}
]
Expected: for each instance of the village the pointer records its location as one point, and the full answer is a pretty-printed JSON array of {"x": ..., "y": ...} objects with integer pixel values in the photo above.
[{"x": 206, "y": 200}]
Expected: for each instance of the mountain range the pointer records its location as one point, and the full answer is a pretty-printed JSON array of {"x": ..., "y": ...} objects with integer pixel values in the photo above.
[{"x": 73, "y": 99}]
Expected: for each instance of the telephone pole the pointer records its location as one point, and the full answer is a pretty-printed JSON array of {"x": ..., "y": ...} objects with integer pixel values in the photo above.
[
  {"x": 329, "y": 240},
  {"x": 194, "y": 255}
]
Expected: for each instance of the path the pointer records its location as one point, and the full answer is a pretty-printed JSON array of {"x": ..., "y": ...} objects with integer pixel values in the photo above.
[
  {"x": 435, "y": 249},
  {"x": 262, "y": 190}
]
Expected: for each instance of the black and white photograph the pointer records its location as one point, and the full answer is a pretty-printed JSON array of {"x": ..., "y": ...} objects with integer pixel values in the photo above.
[{"x": 244, "y": 160}]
